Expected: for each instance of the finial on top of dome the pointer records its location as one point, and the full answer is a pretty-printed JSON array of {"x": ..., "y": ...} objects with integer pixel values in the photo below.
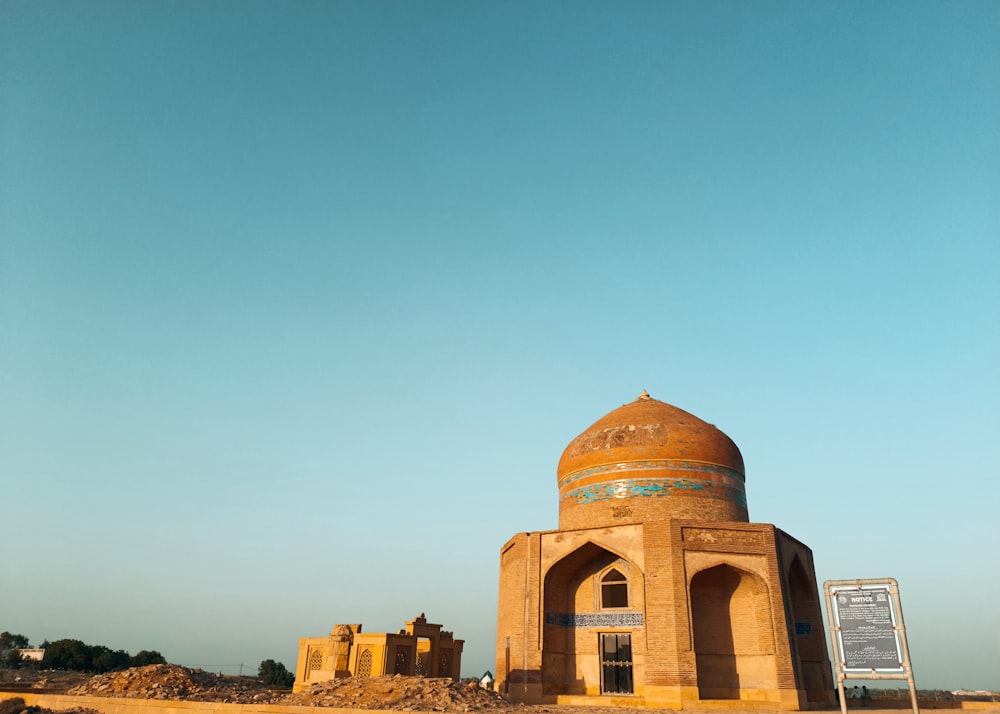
[{"x": 644, "y": 395}]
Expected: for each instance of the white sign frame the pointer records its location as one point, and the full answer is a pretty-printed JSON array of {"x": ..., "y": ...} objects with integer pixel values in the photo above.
[{"x": 847, "y": 601}]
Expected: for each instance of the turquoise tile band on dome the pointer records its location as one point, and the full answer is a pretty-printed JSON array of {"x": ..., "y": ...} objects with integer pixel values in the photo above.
[
  {"x": 656, "y": 487},
  {"x": 623, "y": 467}
]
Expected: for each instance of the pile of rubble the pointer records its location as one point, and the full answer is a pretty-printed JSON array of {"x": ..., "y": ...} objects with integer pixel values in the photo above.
[
  {"x": 169, "y": 681},
  {"x": 16, "y": 705},
  {"x": 399, "y": 693},
  {"x": 396, "y": 692}
]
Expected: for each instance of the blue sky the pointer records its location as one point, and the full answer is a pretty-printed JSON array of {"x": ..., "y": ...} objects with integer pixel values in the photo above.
[{"x": 300, "y": 303}]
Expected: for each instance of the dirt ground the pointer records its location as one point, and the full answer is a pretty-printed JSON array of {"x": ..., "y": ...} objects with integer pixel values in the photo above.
[
  {"x": 395, "y": 693},
  {"x": 165, "y": 681}
]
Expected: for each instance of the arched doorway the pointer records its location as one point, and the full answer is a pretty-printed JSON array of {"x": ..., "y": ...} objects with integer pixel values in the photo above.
[
  {"x": 591, "y": 605},
  {"x": 810, "y": 643},
  {"x": 733, "y": 634}
]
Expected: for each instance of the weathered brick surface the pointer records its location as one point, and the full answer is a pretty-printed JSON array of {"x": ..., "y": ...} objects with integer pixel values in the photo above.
[{"x": 648, "y": 461}]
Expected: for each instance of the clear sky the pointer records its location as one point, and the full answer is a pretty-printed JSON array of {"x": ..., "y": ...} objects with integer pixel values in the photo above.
[{"x": 301, "y": 302}]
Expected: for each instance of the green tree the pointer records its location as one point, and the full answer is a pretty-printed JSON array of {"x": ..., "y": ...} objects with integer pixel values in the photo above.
[
  {"x": 145, "y": 657},
  {"x": 81, "y": 657},
  {"x": 10, "y": 641},
  {"x": 68, "y": 654},
  {"x": 274, "y": 674},
  {"x": 12, "y": 659},
  {"x": 105, "y": 660}
]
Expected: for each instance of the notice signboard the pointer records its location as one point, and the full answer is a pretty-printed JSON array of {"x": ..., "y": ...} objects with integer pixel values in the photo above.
[
  {"x": 867, "y": 629},
  {"x": 869, "y": 638}
]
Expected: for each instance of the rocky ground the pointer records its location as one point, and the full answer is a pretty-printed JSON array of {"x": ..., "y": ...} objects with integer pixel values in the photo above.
[
  {"x": 395, "y": 693},
  {"x": 398, "y": 693},
  {"x": 167, "y": 681},
  {"x": 33, "y": 680},
  {"x": 17, "y": 706}
]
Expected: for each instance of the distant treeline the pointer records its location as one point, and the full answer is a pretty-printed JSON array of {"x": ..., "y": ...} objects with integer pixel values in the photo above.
[
  {"x": 78, "y": 656},
  {"x": 81, "y": 657},
  {"x": 74, "y": 655}
]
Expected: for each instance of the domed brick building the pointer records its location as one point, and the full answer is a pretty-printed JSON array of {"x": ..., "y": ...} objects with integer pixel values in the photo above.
[{"x": 656, "y": 590}]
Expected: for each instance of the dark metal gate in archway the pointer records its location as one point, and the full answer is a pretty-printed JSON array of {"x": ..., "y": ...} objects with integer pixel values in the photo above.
[{"x": 616, "y": 664}]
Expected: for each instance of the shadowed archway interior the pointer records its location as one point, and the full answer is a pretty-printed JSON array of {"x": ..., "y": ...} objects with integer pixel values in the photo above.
[{"x": 733, "y": 638}]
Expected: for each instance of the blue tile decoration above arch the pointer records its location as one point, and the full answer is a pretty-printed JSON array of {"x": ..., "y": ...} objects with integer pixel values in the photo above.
[{"x": 594, "y": 619}]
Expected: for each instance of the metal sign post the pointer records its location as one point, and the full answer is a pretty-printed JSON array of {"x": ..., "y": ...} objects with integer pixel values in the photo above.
[{"x": 869, "y": 638}]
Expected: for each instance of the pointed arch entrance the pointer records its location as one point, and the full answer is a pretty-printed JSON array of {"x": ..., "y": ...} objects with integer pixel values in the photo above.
[
  {"x": 733, "y": 633},
  {"x": 593, "y": 612},
  {"x": 810, "y": 643}
]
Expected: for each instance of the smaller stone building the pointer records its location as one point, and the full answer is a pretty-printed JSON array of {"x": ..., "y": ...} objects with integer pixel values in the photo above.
[{"x": 420, "y": 649}]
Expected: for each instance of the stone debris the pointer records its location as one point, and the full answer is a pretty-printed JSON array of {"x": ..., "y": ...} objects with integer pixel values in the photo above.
[
  {"x": 16, "y": 705},
  {"x": 169, "y": 681},
  {"x": 25, "y": 680},
  {"x": 399, "y": 693},
  {"x": 396, "y": 692}
]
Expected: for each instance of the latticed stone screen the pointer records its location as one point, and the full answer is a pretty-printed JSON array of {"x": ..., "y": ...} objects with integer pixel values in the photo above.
[
  {"x": 444, "y": 666},
  {"x": 315, "y": 660},
  {"x": 365, "y": 663}
]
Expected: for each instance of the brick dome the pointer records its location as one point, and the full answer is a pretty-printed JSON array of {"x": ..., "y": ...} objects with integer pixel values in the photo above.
[{"x": 649, "y": 460}]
